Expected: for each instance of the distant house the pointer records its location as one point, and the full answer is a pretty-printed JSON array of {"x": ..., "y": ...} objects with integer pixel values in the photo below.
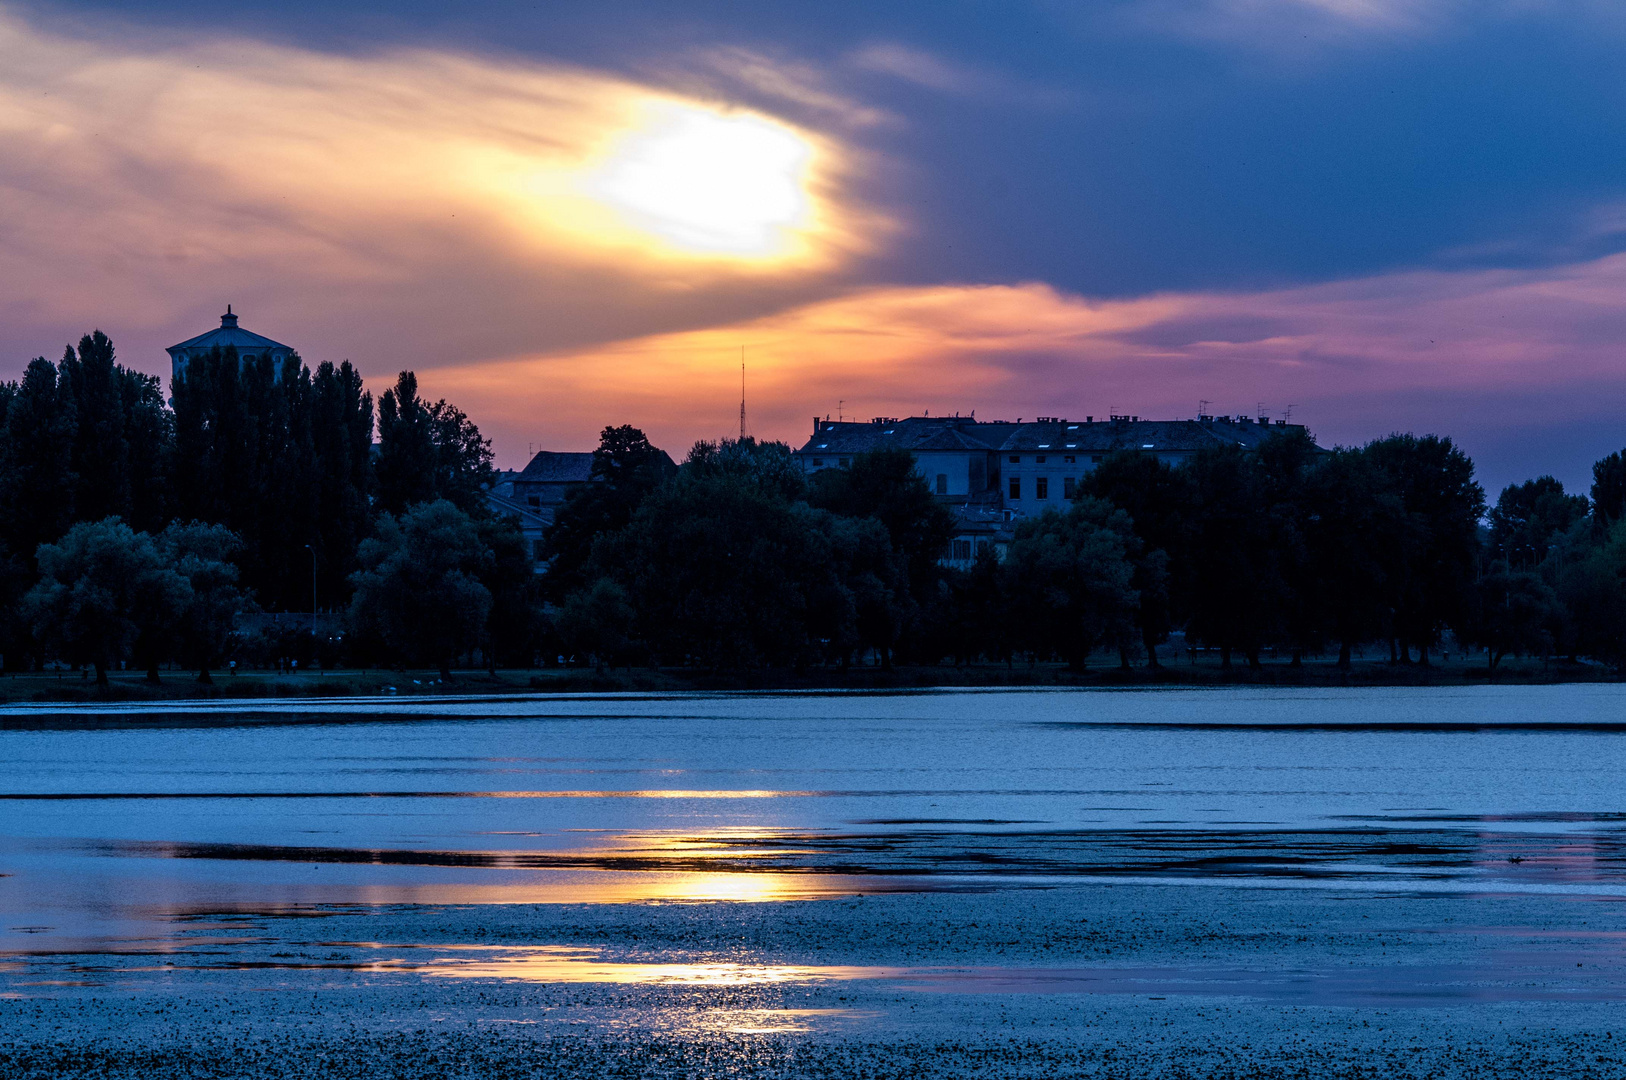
[
  {"x": 533, "y": 494},
  {"x": 249, "y": 345},
  {"x": 991, "y": 473}
]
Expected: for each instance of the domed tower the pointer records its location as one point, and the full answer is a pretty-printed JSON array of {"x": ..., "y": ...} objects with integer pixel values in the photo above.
[{"x": 250, "y": 346}]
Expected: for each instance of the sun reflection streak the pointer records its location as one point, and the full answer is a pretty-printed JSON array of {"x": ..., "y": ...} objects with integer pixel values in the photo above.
[{"x": 570, "y": 964}]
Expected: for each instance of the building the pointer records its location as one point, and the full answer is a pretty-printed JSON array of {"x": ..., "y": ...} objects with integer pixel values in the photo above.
[
  {"x": 534, "y": 494},
  {"x": 249, "y": 345},
  {"x": 992, "y": 473}
]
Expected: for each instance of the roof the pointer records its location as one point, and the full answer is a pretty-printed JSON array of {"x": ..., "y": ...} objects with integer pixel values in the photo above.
[
  {"x": 911, "y": 433},
  {"x": 1109, "y": 436},
  {"x": 558, "y": 467},
  {"x": 951, "y": 433},
  {"x": 534, "y": 517},
  {"x": 229, "y": 334}
]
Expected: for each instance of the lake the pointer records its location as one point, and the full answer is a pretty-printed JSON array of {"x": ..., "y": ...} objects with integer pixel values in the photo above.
[{"x": 779, "y": 884}]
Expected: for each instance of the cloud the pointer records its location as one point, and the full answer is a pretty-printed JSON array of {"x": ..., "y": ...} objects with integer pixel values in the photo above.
[
  {"x": 447, "y": 204},
  {"x": 1482, "y": 354},
  {"x": 932, "y": 72}
]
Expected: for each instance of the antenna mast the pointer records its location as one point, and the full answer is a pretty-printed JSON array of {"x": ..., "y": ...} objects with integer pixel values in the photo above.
[{"x": 742, "y": 393}]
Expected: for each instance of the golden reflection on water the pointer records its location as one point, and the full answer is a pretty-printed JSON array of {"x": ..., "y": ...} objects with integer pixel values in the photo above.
[{"x": 570, "y": 964}]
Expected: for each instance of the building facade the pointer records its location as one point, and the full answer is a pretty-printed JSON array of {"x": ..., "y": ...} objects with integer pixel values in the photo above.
[
  {"x": 249, "y": 345},
  {"x": 533, "y": 495},
  {"x": 992, "y": 473}
]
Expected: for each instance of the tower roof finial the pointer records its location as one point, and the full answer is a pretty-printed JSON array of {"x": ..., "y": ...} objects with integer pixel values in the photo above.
[{"x": 228, "y": 319}]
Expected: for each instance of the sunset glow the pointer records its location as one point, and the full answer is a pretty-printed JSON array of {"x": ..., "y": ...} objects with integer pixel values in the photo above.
[{"x": 709, "y": 182}]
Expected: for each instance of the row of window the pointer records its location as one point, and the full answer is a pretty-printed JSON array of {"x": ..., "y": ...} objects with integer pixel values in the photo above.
[
  {"x": 1041, "y": 487},
  {"x": 964, "y": 550},
  {"x": 1016, "y": 459}
]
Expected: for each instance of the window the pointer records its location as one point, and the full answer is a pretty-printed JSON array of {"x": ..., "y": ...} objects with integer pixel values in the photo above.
[
  {"x": 1016, "y": 487},
  {"x": 1096, "y": 458},
  {"x": 533, "y": 500},
  {"x": 1069, "y": 459},
  {"x": 1016, "y": 459},
  {"x": 818, "y": 463},
  {"x": 962, "y": 549},
  {"x": 942, "y": 483},
  {"x": 1041, "y": 488},
  {"x": 537, "y": 551},
  {"x": 845, "y": 462},
  {"x": 1069, "y": 487},
  {"x": 982, "y": 546},
  {"x": 1039, "y": 459}
]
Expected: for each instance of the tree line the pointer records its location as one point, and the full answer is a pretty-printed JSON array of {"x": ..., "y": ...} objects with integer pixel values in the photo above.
[
  {"x": 134, "y": 530},
  {"x": 738, "y": 559}
]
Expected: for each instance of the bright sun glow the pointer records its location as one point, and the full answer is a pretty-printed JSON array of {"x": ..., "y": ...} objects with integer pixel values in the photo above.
[{"x": 710, "y": 182}]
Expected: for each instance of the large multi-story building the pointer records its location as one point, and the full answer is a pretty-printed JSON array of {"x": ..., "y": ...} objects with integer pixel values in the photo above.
[{"x": 994, "y": 472}]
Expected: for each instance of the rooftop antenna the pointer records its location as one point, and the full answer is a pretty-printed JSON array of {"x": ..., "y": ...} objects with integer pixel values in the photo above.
[
  {"x": 1287, "y": 413},
  {"x": 742, "y": 393},
  {"x": 839, "y": 404},
  {"x": 1202, "y": 408}
]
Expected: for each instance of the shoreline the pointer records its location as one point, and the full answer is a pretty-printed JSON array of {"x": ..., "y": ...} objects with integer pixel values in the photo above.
[{"x": 70, "y": 687}]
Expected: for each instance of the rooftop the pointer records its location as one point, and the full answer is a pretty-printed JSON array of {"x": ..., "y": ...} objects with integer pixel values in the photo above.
[
  {"x": 922, "y": 433},
  {"x": 229, "y": 334}
]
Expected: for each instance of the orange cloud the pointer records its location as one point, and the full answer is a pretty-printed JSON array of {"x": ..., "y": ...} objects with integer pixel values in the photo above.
[
  {"x": 1356, "y": 357},
  {"x": 468, "y": 204}
]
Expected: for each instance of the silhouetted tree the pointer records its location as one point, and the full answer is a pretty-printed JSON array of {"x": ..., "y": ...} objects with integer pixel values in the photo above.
[
  {"x": 203, "y": 554},
  {"x": 1513, "y": 611},
  {"x": 1528, "y": 517},
  {"x": 1071, "y": 579},
  {"x": 121, "y": 436},
  {"x": 1608, "y": 491},
  {"x": 37, "y": 480},
  {"x": 626, "y": 469},
  {"x": 1158, "y": 499},
  {"x": 419, "y": 589},
  {"x": 100, "y": 587},
  {"x": 1353, "y": 521},
  {"x": 428, "y": 452},
  {"x": 1236, "y": 593},
  {"x": 1429, "y": 578}
]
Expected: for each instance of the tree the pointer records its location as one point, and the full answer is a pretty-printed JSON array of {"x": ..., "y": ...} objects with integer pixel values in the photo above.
[
  {"x": 419, "y": 586},
  {"x": 1514, "y": 612},
  {"x": 1609, "y": 491},
  {"x": 203, "y": 554},
  {"x": 1528, "y": 517},
  {"x": 101, "y": 586},
  {"x": 514, "y": 629},
  {"x": 428, "y": 452},
  {"x": 1284, "y": 462},
  {"x": 626, "y": 469},
  {"x": 731, "y": 576},
  {"x": 884, "y": 485},
  {"x": 1072, "y": 581},
  {"x": 1236, "y": 599},
  {"x": 341, "y": 437},
  {"x": 282, "y": 458},
  {"x": 121, "y": 436},
  {"x": 1158, "y": 499},
  {"x": 1429, "y": 579},
  {"x": 1352, "y": 521},
  {"x": 37, "y": 479},
  {"x": 1593, "y": 591}
]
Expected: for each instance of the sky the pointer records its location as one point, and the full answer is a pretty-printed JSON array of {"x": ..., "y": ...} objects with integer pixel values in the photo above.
[{"x": 1368, "y": 215}]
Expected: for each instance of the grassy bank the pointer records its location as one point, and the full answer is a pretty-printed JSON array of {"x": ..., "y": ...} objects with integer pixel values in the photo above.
[{"x": 1200, "y": 670}]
